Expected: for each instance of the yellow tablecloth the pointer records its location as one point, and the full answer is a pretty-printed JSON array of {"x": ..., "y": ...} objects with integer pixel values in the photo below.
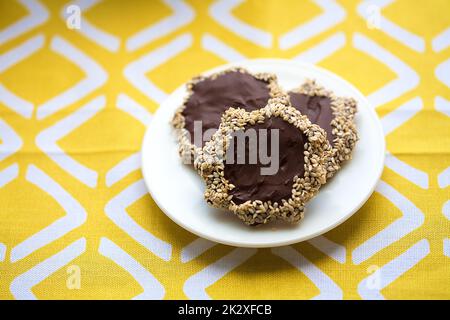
[{"x": 75, "y": 218}]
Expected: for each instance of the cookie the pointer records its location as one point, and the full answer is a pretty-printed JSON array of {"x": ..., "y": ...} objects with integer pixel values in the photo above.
[
  {"x": 336, "y": 115},
  {"x": 256, "y": 196},
  {"x": 208, "y": 98}
]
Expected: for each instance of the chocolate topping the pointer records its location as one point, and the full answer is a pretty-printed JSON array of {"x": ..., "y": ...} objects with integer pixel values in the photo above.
[
  {"x": 317, "y": 109},
  {"x": 247, "y": 179},
  {"x": 211, "y": 97}
]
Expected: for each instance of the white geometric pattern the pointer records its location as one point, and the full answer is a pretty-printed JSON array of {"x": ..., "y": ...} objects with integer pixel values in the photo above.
[
  {"x": 134, "y": 109},
  {"x": 446, "y": 209},
  {"x": 195, "y": 286},
  {"x": 220, "y": 48},
  {"x": 152, "y": 288},
  {"x": 443, "y": 72},
  {"x": 136, "y": 70},
  {"x": 444, "y": 182},
  {"x": 6, "y": 176},
  {"x": 46, "y": 141},
  {"x": 407, "y": 77},
  {"x": 447, "y": 247},
  {"x": 416, "y": 176},
  {"x": 329, "y": 290},
  {"x": 446, "y": 212},
  {"x": 95, "y": 77},
  {"x": 391, "y": 122},
  {"x": 332, "y": 15},
  {"x": 442, "y": 105},
  {"x": 152, "y": 47},
  {"x": 133, "y": 162},
  {"x": 442, "y": 41},
  {"x": 2, "y": 252},
  {"x": 123, "y": 168},
  {"x": 402, "y": 114},
  {"x": 116, "y": 210},
  {"x": 335, "y": 251},
  {"x": 324, "y": 49},
  {"x": 221, "y": 12},
  {"x": 393, "y": 30},
  {"x": 393, "y": 270},
  {"x": 11, "y": 141},
  {"x": 75, "y": 215},
  {"x": 321, "y": 243},
  {"x": 21, "y": 286},
  {"x": 195, "y": 249},
  {"x": 412, "y": 218},
  {"x": 182, "y": 15},
  {"x": 9, "y": 59},
  {"x": 100, "y": 37},
  {"x": 38, "y": 14},
  {"x": 444, "y": 178}
]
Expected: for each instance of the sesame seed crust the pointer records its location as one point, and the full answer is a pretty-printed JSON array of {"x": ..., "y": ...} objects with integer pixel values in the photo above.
[
  {"x": 187, "y": 150},
  {"x": 344, "y": 128},
  {"x": 210, "y": 165}
]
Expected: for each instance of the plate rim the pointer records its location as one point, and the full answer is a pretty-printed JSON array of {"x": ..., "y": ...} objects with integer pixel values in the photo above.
[{"x": 279, "y": 243}]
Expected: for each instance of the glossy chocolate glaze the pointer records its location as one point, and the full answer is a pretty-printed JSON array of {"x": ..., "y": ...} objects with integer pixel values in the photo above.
[
  {"x": 211, "y": 97},
  {"x": 317, "y": 109},
  {"x": 247, "y": 178}
]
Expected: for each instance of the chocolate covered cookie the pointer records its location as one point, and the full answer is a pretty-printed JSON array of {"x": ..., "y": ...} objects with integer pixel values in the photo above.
[
  {"x": 208, "y": 98},
  {"x": 336, "y": 115},
  {"x": 265, "y": 164}
]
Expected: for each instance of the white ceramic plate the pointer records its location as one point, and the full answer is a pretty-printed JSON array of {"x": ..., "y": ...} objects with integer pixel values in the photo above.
[{"x": 178, "y": 190}]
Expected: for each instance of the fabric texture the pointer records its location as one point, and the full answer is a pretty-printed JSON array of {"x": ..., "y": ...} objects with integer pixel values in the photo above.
[{"x": 76, "y": 221}]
